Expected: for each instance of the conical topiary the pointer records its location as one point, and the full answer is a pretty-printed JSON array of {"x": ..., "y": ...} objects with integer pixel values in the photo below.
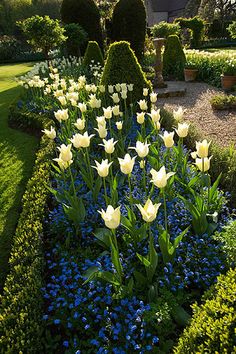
[
  {"x": 173, "y": 58},
  {"x": 93, "y": 53},
  {"x": 86, "y": 14},
  {"x": 129, "y": 24},
  {"x": 122, "y": 66}
]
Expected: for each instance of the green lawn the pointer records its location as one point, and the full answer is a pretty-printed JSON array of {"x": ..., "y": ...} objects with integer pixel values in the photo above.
[{"x": 17, "y": 154}]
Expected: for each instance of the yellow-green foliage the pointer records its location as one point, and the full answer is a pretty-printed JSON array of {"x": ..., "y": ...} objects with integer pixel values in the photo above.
[
  {"x": 174, "y": 58},
  {"x": 122, "y": 66},
  {"x": 212, "y": 329},
  {"x": 21, "y": 303},
  {"x": 93, "y": 54}
]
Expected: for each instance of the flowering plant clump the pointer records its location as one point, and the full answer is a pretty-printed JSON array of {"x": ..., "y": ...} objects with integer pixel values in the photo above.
[{"x": 133, "y": 219}]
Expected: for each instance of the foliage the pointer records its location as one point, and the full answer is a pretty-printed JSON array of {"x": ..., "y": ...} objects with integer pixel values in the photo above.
[
  {"x": 21, "y": 303},
  {"x": 232, "y": 29},
  {"x": 223, "y": 101},
  {"x": 196, "y": 26},
  {"x": 42, "y": 33},
  {"x": 164, "y": 29},
  {"x": 76, "y": 36},
  {"x": 211, "y": 65},
  {"x": 212, "y": 326},
  {"x": 173, "y": 58},
  {"x": 93, "y": 54},
  {"x": 228, "y": 236},
  {"x": 86, "y": 14},
  {"x": 129, "y": 24},
  {"x": 126, "y": 69}
]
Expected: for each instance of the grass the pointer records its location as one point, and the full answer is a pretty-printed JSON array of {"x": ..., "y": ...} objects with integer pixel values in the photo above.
[{"x": 17, "y": 154}]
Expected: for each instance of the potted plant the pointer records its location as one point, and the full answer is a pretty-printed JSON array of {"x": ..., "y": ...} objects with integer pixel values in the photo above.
[
  {"x": 228, "y": 76},
  {"x": 190, "y": 71}
]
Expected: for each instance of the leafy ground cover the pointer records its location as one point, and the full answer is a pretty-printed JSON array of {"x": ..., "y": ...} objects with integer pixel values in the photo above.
[{"x": 17, "y": 154}]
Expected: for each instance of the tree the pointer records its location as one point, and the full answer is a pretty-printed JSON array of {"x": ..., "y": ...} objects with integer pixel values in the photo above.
[
  {"x": 43, "y": 33},
  {"x": 221, "y": 9},
  {"x": 76, "y": 36},
  {"x": 232, "y": 29}
]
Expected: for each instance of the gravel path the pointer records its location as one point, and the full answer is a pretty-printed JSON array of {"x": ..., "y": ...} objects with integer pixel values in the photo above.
[{"x": 215, "y": 125}]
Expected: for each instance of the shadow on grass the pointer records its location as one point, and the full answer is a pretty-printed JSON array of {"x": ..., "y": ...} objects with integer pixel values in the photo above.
[{"x": 17, "y": 155}]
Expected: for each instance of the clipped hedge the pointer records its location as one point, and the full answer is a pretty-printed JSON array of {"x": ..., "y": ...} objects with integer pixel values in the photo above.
[
  {"x": 93, "y": 53},
  {"x": 125, "y": 69},
  {"x": 212, "y": 328},
  {"x": 173, "y": 58},
  {"x": 21, "y": 303}
]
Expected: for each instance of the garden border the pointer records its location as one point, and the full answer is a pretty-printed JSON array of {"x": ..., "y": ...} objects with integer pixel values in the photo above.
[{"x": 21, "y": 302}]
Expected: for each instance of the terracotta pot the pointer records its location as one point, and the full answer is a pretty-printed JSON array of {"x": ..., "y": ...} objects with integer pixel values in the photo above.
[
  {"x": 190, "y": 74},
  {"x": 228, "y": 81}
]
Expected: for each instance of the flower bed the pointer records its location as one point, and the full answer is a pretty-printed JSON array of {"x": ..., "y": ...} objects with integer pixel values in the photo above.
[{"x": 126, "y": 287}]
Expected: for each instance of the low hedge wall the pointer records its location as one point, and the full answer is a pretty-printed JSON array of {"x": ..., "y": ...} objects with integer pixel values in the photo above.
[
  {"x": 223, "y": 160},
  {"x": 212, "y": 328},
  {"x": 21, "y": 302}
]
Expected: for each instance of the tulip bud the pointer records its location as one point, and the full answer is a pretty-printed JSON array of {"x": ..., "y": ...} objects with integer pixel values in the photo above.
[
  {"x": 149, "y": 211},
  {"x": 203, "y": 164},
  {"x": 159, "y": 178},
  {"x": 168, "y": 139},
  {"x": 102, "y": 168},
  {"x": 142, "y": 164},
  {"x": 130, "y": 87},
  {"x": 119, "y": 125},
  {"x": 182, "y": 130},
  {"x": 145, "y": 91},
  {"x": 80, "y": 124},
  {"x": 140, "y": 117},
  {"x": 51, "y": 134},
  {"x": 202, "y": 148},
  {"x": 126, "y": 164},
  {"x": 111, "y": 217}
]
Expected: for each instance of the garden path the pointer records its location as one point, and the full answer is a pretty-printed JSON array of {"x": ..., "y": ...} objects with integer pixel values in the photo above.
[{"x": 215, "y": 125}]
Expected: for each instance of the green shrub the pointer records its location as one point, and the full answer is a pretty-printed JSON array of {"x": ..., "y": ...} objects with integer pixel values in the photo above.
[
  {"x": 21, "y": 303},
  {"x": 223, "y": 101},
  {"x": 228, "y": 238},
  {"x": 93, "y": 53},
  {"x": 232, "y": 29},
  {"x": 86, "y": 14},
  {"x": 212, "y": 328},
  {"x": 122, "y": 66},
  {"x": 76, "y": 37},
  {"x": 129, "y": 24},
  {"x": 196, "y": 25},
  {"x": 173, "y": 58},
  {"x": 164, "y": 29}
]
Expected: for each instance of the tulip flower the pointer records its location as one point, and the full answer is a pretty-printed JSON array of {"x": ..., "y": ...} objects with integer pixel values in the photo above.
[
  {"x": 119, "y": 125},
  {"x": 109, "y": 145},
  {"x": 141, "y": 117},
  {"x": 92, "y": 101},
  {"x": 82, "y": 107},
  {"x": 110, "y": 88},
  {"x": 107, "y": 112},
  {"x": 102, "y": 88},
  {"x": 130, "y": 87},
  {"x": 143, "y": 105},
  {"x": 65, "y": 152},
  {"x": 194, "y": 154},
  {"x": 153, "y": 97},
  {"x": 61, "y": 114},
  {"x": 111, "y": 217},
  {"x": 63, "y": 164},
  {"x": 102, "y": 131},
  {"x": 118, "y": 87},
  {"x": 202, "y": 148},
  {"x": 142, "y": 149},
  {"x": 80, "y": 124},
  {"x": 145, "y": 91},
  {"x": 51, "y": 134},
  {"x": 203, "y": 164},
  {"x": 62, "y": 100},
  {"x": 124, "y": 94},
  {"x": 101, "y": 121},
  {"x": 116, "y": 110},
  {"x": 149, "y": 210},
  {"x": 127, "y": 164},
  {"x": 123, "y": 86},
  {"x": 182, "y": 130},
  {"x": 102, "y": 168},
  {"x": 157, "y": 125},
  {"x": 115, "y": 98},
  {"x": 155, "y": 115},
  {"x": 159, "y": 178},
  {"x": 81, "y": 140},
  {"x": 178, "y": 115},
  {"x": 98, "y": 103},
  {"x": 168, "y": 139}
]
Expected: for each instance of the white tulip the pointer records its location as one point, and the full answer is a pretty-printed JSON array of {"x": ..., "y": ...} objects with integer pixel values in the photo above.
[
  {"x": 61, "y": 114},
  {"x": 203, "y": 164},
  {"x": 145, "y": 91},
  {"x": 143, "y": 105},
  {"x": 81, "y": 140},
  {"x": 107, "y": 112},
  {"x": 110, "y": 88},
  {"x": 140, "y": 117},
  {"x": 51, "y": 134},
  {"x": 149, "y": 210},
  {"x": 153, "y": 97},
  {"x": 159, "y": 178},
  {"x": 102, "y": 131},
  {"x": 111, "y": 217},
  {"x": 127, "y": 164},
  {"x": 178, "y": 115},
  {"x": 115, "y": 98},
  {"x": 124, "y": 94},
  {"x": 82, "y": 107},
  {"x": 101, "y": 121},
  {"x": 65, "y": 152},
  {"x": 168, "y": 139},
  {"x": 142, "y": 149},
  {"x": 80, "y": 124},
  {"x": 116, "y": 110},
  {"x": 182, "y": 130},
  {"x": 119, "y": 125},
  {"x": 155, "y": 115},
  {"x": 202, "y": 148},
  {"x": 130, "y": 87},
  {"x": 63, "y": 164},
  {"x": 102, "y": 168},
  {"x": 109, "y": 145}
]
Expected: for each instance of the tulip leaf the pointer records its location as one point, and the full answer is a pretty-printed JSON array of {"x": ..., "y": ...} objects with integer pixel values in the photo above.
[
  {"x": 109, "y": 277},
  {"x": 116, "y": 259},
  {"x": 153, "y": 259},
  {"x": 143, "y": 260},
  {"x": 103, "y": 237},
  {"x": 96, "y": 188}
]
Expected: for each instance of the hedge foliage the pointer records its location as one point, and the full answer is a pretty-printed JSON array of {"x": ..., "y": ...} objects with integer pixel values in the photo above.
[
  {"x": 122, "y": 66},
  {"x": 212, "y": 328},
  {"x": 86, "y": 14},
  {"x": 196, "y": 25},
  {"x": 21, "y": 303},
  {"x": 76, "y": 37},
  {"x": 93, "y": 53},
  {"x": 173, "y": 58},
  {"x": 129, "y": 24}
]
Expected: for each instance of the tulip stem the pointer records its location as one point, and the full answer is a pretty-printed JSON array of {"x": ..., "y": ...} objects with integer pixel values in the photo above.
[
  {"x": 72, "y": 180},
  {"x": 105, "y": 190},
  {"x": 130, "y": 190},
  {"x": 165, "y": 211},
  {"x": 89, "y": 167},
  {"x": 114, "y": 239},
  {"x": 144, "y": 175}
]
